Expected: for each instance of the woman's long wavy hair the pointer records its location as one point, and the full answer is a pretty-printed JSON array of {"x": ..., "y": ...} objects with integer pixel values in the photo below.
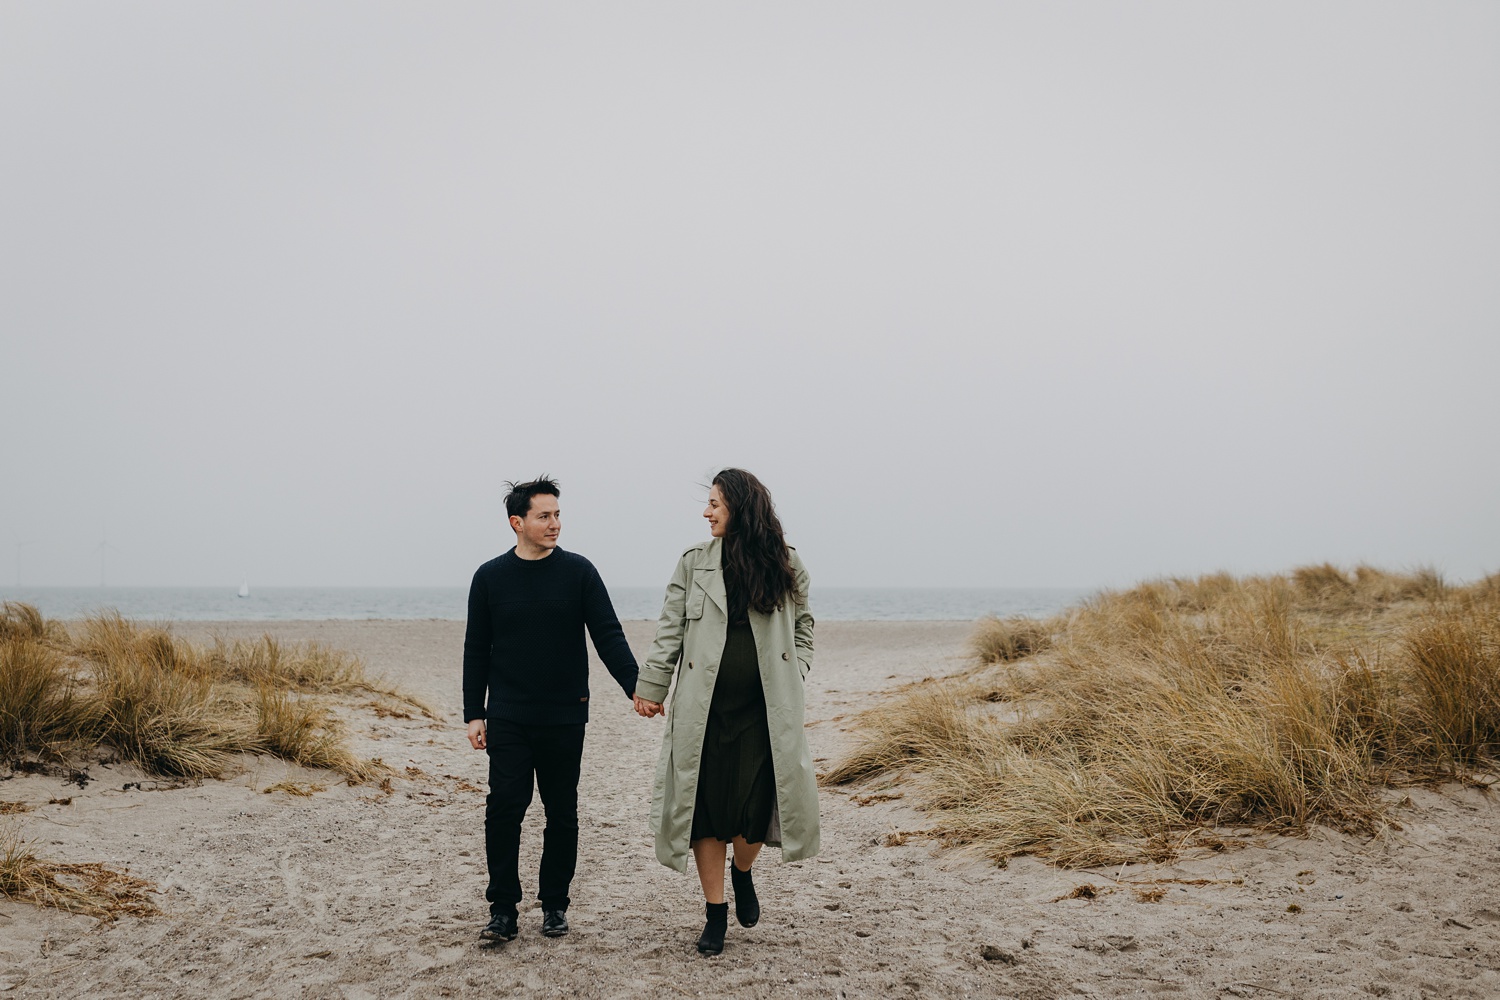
[{"x": 757, "y": 570}]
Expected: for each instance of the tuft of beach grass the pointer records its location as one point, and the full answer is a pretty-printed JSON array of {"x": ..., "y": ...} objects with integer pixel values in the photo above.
[
  {"x": 1149, "y": 715},
  {"x": 94, "y": 889},
  {"x": 174, "y": 708},
  {"x": 306, "y": 668},
  {"x": 39, "y": 710},
  {"x": 300, "y": 789},
  {"x": 1005, "y": 640},
  {"x": 303, "y": 731}
]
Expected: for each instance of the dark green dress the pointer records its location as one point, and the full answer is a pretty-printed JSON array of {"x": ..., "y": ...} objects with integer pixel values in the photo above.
[{"x": 736, "y": 782}]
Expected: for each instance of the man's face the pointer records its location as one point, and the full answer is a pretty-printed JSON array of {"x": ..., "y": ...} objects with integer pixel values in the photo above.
[{"x": 541, "y": 525}]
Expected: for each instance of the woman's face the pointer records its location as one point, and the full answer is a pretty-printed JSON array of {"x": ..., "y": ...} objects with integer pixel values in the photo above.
[{"x": 717, "y": 513}]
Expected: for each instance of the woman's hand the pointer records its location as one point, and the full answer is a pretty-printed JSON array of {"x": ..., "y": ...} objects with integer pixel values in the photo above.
[
  {"x": 477, "y": 734},
  {"x": 646, "y": 709}
]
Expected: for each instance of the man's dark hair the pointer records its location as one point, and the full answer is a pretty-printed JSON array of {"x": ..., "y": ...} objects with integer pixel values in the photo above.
[{"x": 518, "y": 500}]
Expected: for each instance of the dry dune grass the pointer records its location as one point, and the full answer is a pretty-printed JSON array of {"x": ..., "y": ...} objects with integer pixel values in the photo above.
[
  {"x": 39, "y": 707},
  {"x": 1002, "y": 640},
  {"x": 94, "y": 889},
  {"x": 308, "y": 668},
  {"x": 154, "y": 700},
  {"x": 303, "y": 731},
  {"x": 300, "y": 789},
  {"x": 172, "y": 707},
  {"x": 1149, "y": 717}
]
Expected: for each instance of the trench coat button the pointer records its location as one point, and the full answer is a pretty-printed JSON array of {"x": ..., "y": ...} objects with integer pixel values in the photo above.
[
  {"x": 690, "y": 666},
  {"x": 786, "y": 656}
]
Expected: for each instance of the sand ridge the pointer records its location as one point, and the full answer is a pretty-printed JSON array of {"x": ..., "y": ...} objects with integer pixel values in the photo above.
[{"x": 356, "y": 893}]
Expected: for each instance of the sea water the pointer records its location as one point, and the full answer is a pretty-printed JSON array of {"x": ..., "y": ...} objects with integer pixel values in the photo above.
[{"x": 631, "y": 603}]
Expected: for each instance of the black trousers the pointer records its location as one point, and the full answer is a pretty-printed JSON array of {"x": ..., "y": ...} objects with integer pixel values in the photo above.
[{"x": 552, "y": 755}]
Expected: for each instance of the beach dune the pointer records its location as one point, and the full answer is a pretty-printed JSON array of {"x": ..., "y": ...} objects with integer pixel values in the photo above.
[{"x": 370, "y": 891}]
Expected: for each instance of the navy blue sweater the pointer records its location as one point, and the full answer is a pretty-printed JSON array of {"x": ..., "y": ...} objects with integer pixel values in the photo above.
[{"x": 524, "y": 644}]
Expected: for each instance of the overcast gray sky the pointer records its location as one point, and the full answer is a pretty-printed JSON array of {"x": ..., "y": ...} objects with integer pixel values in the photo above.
[{"x": 986, "y": 293}]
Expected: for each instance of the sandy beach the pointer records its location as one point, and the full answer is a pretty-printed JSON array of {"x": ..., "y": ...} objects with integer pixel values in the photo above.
[{"x": 359, "y": 893}]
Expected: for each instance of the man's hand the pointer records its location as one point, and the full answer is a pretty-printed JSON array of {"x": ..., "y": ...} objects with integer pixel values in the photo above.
[
  {"x": 646, "y": 709},
  {"x": 476, "y": 734}
]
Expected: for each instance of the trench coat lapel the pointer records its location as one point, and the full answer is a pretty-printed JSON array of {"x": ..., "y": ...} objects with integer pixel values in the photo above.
[{"x": 711, "y": 578}]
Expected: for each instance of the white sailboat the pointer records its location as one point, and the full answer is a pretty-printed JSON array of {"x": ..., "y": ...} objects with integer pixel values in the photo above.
[{"x": 244, "y": 588}]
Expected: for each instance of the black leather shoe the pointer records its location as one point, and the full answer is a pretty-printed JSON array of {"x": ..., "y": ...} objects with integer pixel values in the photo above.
[
  {"x": 554, "y": 923},
  {"x": 502, "y": 927},
  {"x": 746, "y": 903},
  {"x": 711, "y": 941}
]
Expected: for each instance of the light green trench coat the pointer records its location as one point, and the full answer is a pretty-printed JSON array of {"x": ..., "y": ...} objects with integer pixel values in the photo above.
[{"x": 689, "y": 642}]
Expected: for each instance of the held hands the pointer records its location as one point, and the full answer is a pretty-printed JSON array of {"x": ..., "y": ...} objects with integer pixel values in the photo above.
[{"x": 646, "y": 709}]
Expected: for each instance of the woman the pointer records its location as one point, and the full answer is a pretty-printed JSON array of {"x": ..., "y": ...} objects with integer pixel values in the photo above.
[{"x": 734, "y": 766}]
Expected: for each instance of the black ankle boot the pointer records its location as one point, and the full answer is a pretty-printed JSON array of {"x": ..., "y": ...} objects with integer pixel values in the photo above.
[
  {"x": 746, "y": 905},
  {"x": 711, "y": 942}
]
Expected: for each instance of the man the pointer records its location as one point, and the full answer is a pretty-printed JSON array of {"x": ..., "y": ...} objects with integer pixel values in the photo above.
[{"x": 524, "y": 649}]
